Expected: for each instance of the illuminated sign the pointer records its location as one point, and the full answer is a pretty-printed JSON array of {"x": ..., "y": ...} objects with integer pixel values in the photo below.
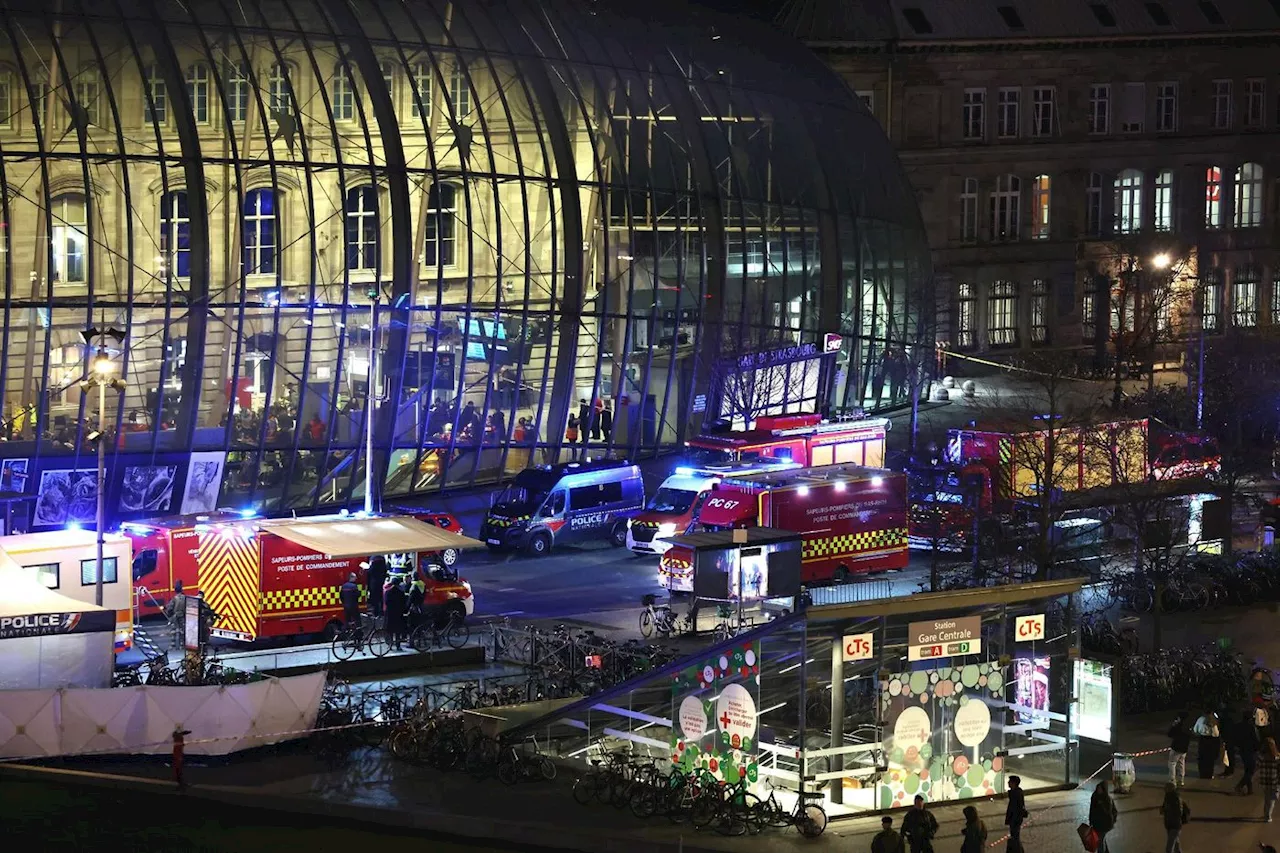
[
  {"x": 859, "y": 647},
  {"x": 942, "y": 638},
  {"x": 1027, "y": 628},
  {"x": 1092, "y": 705}
]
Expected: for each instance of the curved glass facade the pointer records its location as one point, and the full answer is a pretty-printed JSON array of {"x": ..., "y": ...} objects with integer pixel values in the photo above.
[{"x": 502, "y": 213}]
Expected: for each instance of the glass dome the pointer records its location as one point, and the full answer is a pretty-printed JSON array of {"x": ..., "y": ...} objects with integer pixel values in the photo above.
[{"x": 513, "y": 217}]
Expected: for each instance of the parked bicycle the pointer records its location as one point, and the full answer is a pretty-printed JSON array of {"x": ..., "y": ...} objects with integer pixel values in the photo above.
[
  {"x": 452, "y": 632},
  {"x": 364, "y": 637}
]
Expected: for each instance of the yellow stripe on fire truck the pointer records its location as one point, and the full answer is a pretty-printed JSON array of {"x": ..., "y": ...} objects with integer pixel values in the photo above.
[
  {"x": 851, "y": 543},
  {"x": 298, "y": 599}
]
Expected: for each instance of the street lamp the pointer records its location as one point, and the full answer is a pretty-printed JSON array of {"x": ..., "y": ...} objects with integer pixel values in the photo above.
[
  {"x": 103, "y": 376},
  {"x": 374, "y": 292},
  {"x": 1161, "y": 261}
]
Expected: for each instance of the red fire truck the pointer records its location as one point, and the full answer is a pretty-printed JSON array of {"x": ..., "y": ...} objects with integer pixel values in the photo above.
[
  {"x": 853, "y": 519},
  {"x": 274, "y": 578},
  {"x": 802, "y": 439}
]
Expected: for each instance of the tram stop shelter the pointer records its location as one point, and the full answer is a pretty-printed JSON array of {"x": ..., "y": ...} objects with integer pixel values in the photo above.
[{"x": 942, "y": 694}]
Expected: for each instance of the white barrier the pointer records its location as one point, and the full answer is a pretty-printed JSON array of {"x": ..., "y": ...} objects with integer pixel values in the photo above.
[{"x": 142, "y": 720}]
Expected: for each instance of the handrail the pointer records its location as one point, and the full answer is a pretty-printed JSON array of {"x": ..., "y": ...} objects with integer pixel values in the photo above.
[{"x": 138, "y": 592}]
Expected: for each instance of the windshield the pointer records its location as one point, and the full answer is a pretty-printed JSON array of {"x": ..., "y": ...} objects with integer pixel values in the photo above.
[
  {"x": 517, "y": 495},
  {"x": 672, "y": 500},
  {"x": 704, "y": 457}
]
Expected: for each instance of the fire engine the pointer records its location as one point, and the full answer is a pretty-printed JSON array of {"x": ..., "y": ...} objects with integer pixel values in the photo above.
[
  {"x": 852, "y": 519},
  {"x": 800, "y": 439},
  {"x": 273, "y": 578}
]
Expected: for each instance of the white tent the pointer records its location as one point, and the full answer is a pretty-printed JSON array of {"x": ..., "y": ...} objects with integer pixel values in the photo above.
[{"x": 48, "y": 639}]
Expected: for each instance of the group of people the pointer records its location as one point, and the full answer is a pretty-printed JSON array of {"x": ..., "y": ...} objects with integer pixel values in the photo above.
[
  {"x": 445, "y": 421},
  {"x": 393, "y": 597},
  {"x": 594, "y": 421},
  {"x": 920, "y": 827},
  {"x": 1233, "y": 740}
]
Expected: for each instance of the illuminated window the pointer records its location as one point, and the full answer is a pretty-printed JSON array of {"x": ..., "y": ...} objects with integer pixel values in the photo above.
[
  {"x": 1040, "y": 208},
  {"x": 279, "y": 92},
  {"x": 1244, "y": 298},
  {"x": 1255, "y": 103},
  {"x": 89, "y": 571},
  {"x": 237, "y": 88},
  {"x": 1248, "y": 206},
  {"x": 969, "y": 210},
  {"x": 1166, "y": 107},
  {"x": 975, "y": 116},
  {"x": 88, "y": 92},
  {"x": 459, "y": 92},
  {"x": 1164, "y": 200},
  {"x": 442, "y": 219},
  {"x": 1128, "y": 201},
  {"x": 1007, "y": 115},
  {"x": 1093, "y": 205},
  {"x": 966, "y": 315},
  {"x": 1222, "y": 106},
  {"x": 1002, "y": 314},
  {"x": 1042, "y": 108},
  {"x": 44, "y": 573},
  {"x": 156, "y": 108},
  {"x": 259, "y": 232},
  {"x": 1005, "y": 204},
  {"x": 422, "y": 90},
  {"x": 344, "y": 94},
  {"x": 1211, "y": 311},
  {"x": 175, "y": 234},
  {"x": 1213, "y": 197},
  {"x": 1100, "y": 108},
  {"x": 198, "y": 91},
  {"x": 1039, "y": 311},
  {"x": 70, "y": 241},
  {"x": 362, "y": 228}
]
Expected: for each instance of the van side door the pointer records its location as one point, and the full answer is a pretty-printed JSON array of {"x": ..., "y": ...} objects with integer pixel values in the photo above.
[
  {"x": 552, "y": 515},
  {"x": 591, "y": 509}
]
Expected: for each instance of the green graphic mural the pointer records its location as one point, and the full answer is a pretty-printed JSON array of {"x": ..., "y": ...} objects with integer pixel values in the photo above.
[
  {"x": 939, "y": 735},
  {"x": 713, "y": 714}
]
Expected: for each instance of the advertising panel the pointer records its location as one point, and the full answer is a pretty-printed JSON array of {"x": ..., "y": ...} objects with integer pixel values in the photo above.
[
  {"x": 1091, "y": 711},
  {"x": 1031, "y": 688},
  {"x": 147, "y": 488},
  {"x": 941, "y": 739},
  {"x": 67, "y": 496},
  {"x": 204, "y": 480},
  {"x": 714, "y": 712},
  {"x": 758, "y": 572}
]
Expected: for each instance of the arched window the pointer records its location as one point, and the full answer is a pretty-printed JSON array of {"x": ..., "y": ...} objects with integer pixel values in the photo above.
[
  {"x": 237, "y": 89},
  {"x": 175, "y": 234},
  {"x": 344, "y": 94},
  {"x": 198, "y": 90},
  {"x": 1040, "y": 207},
  {"x": 69, "y": 244},
  {"x": 1128, "y": 187},
  {"x": 259, "y": 231},
  {"x": 442, "y": 219},
  {"x": 362, "y": 228},
  {"x": 1248, "y": 210},
  {"x": 422, "y": 89},
  {"x": 279, "y": 92},
  {"x": 1006, "y": 202},
  {"x": 459, "y": 92},
  {"x": 1213, "y": 197}
]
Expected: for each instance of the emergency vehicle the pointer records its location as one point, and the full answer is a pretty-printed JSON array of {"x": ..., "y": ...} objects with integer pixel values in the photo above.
[
  {"x": 800, "y": 439},
  {"x": 674, "y": 505},
  {"x": 275, "y": 578},
  {"x": 67, "y": 561},
  {"x": 853, "y": 519}
]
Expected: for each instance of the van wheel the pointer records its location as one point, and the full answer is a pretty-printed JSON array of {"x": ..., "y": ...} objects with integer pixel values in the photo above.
[
  {"x": 841, "y": 575},
  {"x": 449, "y": 555},
  {"x": 539, "y": 545},
  {"x": 618, "y": 536}
]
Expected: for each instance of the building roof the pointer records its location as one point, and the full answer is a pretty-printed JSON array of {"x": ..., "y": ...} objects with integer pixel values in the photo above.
[{"x": 833, "y": 21}]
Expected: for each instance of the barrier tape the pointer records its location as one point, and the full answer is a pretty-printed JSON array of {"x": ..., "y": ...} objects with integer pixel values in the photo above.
[
  {"x": 1009, "y": 368},
  {"x": 1083, "y": 781}
]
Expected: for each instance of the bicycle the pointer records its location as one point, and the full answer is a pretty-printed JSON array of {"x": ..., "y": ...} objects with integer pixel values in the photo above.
[
  {"x": 359, "y": 638},
  {"x": 656, "y": 618},
  {"x": 453, "y": 632},
  {"x": 809, "y": 818},
  {"x": 515, "y": 765}
]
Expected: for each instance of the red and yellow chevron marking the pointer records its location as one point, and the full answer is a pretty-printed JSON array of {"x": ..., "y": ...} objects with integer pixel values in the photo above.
[
  {"x": 228, "y": 563},
  {"x": 853, "y": 543}
]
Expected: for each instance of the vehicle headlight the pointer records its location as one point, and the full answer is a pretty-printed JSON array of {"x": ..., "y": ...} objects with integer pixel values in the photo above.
[{"x": 666, "y": 528}]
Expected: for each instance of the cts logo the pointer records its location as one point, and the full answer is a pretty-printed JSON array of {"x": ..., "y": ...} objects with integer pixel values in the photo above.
[{"x": 1027, "y": 628}]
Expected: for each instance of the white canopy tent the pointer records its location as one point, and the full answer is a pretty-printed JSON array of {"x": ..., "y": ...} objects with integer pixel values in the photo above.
[
  {"x": 48, "y": 639},
  {"x": 354, "y": 537}
]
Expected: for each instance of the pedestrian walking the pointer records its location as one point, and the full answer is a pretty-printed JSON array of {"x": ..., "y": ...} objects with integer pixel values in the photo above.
[
  {"x": 974, "y": 832},
  {"x": 1179, "y": 744},
  {"x": 1015, "y": 813},
  {"x": 376, "y": 580},
  {"x": 1269, "y": 777},
  {"x": 176, "y": 612},
  {"x": 887, "y": 840},
  {"x": 1208, "y": 744},
  {"x": 1102, "y": 815},
  {"x": 349, "y": 595},
  {"x": 1176, "y": 813},
  {"x": 395, "y": 605},
  {"x": 1247, "y": 743},
  {"x": 919, "y": 826}
]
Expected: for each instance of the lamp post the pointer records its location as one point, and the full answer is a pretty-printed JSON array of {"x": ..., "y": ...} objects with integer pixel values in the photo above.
[
  {"x": 102, "y": 376},
  {"x": 368, "y": 401}
]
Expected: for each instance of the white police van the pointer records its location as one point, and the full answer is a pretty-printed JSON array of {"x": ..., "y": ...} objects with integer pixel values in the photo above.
[{"x": 570, "y": 502}]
